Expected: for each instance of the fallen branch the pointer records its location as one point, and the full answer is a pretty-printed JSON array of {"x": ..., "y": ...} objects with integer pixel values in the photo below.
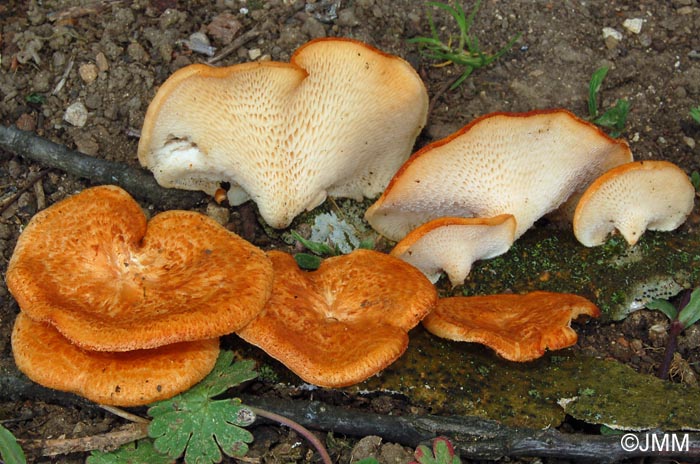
[{"x": 138, "y": 182}]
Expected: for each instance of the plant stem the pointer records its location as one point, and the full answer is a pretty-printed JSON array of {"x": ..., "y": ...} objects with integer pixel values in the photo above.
[
  {"x": 300, "y": 429},
  {"x": 673, "y": 332}
]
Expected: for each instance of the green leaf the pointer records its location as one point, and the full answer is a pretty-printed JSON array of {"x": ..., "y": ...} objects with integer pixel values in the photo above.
[
  {"x": 695, "y": 180},
  {"x": 615, "y": 118},
  {"x": 593, "y": 89},
  {"x": 308, "y": 262},
  {"x": 315, "y": 247},
  {"x": 10, "y": 451},
  {"x": 665, "y": 307},
  {"x": 195, "y": 424},
  {"x": 367, "y": 461},
  {"x": 691, "y": 313},
  {"x": 695, "y": 114},
  {"x": 131, "y": 453}
]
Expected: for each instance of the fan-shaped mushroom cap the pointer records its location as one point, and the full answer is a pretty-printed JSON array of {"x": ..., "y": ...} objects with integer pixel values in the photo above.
[
  {"x": 130, "y": 378},
  {"x": 339, "y": 120},
  {"x": 524, "y": 164},
  {"x": 517, "y": 327},
  {"x": 92, "y": 266},
  {"x": 634, "y": 197},
  {"x": 344, "y": 322},
  {"x": 453, "y": 244}
]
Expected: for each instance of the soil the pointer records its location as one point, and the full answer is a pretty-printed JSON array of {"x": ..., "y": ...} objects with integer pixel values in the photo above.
[{"x": 82, "y": 73}]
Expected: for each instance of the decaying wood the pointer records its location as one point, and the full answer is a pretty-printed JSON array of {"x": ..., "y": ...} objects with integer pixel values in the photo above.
[{"x": 138, "y": 182}]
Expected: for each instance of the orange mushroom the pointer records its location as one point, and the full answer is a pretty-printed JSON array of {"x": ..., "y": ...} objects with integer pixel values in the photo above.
[
  {"x": 517, "y": 327},
  {"x": 130, "y": 378},
  {"x": 338, "y": 120},
  {"x": 107, "y": 280},
  {"x": 524, "y": 164},
  {"x": 453, "y": 244},
  {"x": 344, "y": 322},
  {"x": 634, "y": 197}
]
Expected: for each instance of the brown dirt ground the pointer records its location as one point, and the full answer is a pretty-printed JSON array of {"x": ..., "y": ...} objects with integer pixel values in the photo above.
[{"x": 111, "y": 55}]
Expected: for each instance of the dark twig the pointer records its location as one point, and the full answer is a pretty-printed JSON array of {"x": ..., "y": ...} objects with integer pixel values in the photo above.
[
  {"x": 138, "y": 182},
  {"x": 441, "y": 91},
  {"x": 33, "y": 180},
  {"x": 235, "y": 45}
]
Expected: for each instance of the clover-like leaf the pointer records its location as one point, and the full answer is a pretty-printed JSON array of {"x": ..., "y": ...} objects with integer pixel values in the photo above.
[
  {"x": 131, "y": 453},
  {"x": 10, "y": 451},
  {"x": 195, "y": 424}
]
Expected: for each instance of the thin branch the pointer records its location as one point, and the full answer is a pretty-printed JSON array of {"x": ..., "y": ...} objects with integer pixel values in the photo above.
[
  {"x": 29, "y": 184},
  {"x": 235, "y": 45}
]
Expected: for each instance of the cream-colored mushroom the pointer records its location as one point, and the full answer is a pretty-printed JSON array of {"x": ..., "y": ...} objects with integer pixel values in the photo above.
[
  {"x": 338, "y": 120},
  {"x": 453, "y": 244},
  {"x": 634, "y": 197},
  {"x": 524, "y": 164}
]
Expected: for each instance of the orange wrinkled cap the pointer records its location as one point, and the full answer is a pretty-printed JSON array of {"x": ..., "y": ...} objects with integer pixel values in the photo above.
[
  {"x": 344, "y": 322},
  {"x": 130, "y": 378},
  {"x": 517, "y": 327},
  {"x": 109, "y": 281}
]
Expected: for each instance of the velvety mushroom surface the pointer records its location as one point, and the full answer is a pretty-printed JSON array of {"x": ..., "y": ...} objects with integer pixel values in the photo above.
[
  {"x": 517, "y": 327},
  {"x": 524, "y": 164},
  {"x": 108, "y": 280},
  {"x": 454, "y": 244},
  {"x": 131, "y": 378},
  {"x": 344, "y": 322},
  {"x": 631, "y": 198},
  {"x": 338, "y": 120}
]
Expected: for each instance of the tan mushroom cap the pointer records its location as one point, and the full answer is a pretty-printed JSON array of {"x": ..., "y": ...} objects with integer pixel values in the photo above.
[
  {"x": 453, "y": 244},
  {"x": 517, "y": 327},
  {"x": 130, "y": 378},
  {"x": 634, "y": 197},
  {"x": 344, "y": 322},
  {"x": 107, "y": 280},
  {"x": 338, "y": 120},
  {"x": 524, "y": 164}
]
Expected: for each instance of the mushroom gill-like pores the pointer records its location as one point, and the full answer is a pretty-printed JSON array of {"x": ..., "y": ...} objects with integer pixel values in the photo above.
[
  {"x": 338, "y": 120},
  {"x": 634, "y": 197},
  {"x": 453, "y": 244},
  {"x": 108, "y": 280},
  {"x": 130, "y": 378},
  {"x": 524, "y": 164},
  {"x": 344, "y": 322},
  {"x": 517, "y": 327}
]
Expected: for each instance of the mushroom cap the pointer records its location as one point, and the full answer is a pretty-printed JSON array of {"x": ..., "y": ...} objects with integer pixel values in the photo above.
[
  {"x": 517, "y": 327},
  {"x": 130, "y": 378},
  {"x": 344, "y": 322},
  {"x": 524, "y": 164},
  {"x": 107, "y": 280},
  {"x": 634, "y": 197},
  {"x": 338, "y": 120},
  {"x": 453, "y": 244}
]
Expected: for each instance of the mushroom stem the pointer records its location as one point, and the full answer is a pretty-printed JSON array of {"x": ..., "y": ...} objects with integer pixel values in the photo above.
[{"x": 300, "y": 429}]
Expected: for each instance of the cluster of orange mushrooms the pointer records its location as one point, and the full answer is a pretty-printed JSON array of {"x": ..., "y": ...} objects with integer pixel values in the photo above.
[{"x": 126, "y": 312}]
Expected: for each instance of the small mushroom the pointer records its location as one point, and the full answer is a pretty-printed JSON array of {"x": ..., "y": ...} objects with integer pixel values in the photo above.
[
  {"x": 634, "y": 197},
  {"x": 130, "y": 378},
  {"x": 344, "y": 322},
  {"x": 109, "y": 281},
  {"x": 453, "y": 244},
  {"x": 338, "y": 120},
  {"x": 517, "y": 327},
  {"x": 524, "y": 164}
]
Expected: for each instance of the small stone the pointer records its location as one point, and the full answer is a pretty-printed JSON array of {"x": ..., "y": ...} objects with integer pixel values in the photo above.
[
  {"x": 220, "y": 214},
  {"x": 224, "y": 27},
  {"x": 86, "y": 143},
  {"x": 102, "y": 63},
  {"x": 76, "y": 114},
  {"x": 689, "y": 141},
  {"x": 347, "y": 18},
  {"x": 254, "y": 53},
  {"x": 137, "y": 53},
  {"x": 610, "y": 32},
  {"x": 313, "y": 28},
  {"x": 26, "y": 122},
  {"x": 634, "y": 25},
  {"x": 88, "y": 72},
  {"x": 365, "y": 448}
]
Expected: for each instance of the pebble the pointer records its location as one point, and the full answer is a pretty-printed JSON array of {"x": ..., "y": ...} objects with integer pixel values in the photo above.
[
  {"x": 689, "y": 141},
  {"x": 88, "y": 72},
  {"x": 137, "y": 53},
  {"x": 313, "y": 28},
  {"x": 254, "y": 54},
  {"x": 634, "y": 25},
  {"x": 102, "y": 63},
  {"x": 76, "y": 114},
  {"x": 220, "y": 214},
  {"x": 26, "y": 122},
  {"x": 347, "y": 18},
  {"x": 612, "y": 37},
  {"x": 224, "y": 27}
]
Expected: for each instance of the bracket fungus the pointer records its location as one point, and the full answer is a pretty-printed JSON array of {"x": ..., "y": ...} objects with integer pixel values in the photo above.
[
  {"x": 634, "y": 197},
  {"x": 517, "y": 327},
  {"x": 130, "y": 378},
  {"x": 524, "y": 164},
  {"x": 344, "y": 322},
  {"x": 453, "y": 244},
  {"x": 338, "y": 119},
  {"x": 108, "y": 280}
]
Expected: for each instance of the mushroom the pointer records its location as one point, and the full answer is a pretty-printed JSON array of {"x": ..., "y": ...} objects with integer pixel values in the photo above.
[
  {"x": 344, "y": 322},
  {"x": 338, "y": 120},
  {"x": 130, "y": 378},
  {"x": 453, "y": 244},
  {"x": 109, "y": 281},
  {"x": 517, "y": 327},
  {"x": 634, "y": 197},
  {"x": 524, "y": 164}
]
